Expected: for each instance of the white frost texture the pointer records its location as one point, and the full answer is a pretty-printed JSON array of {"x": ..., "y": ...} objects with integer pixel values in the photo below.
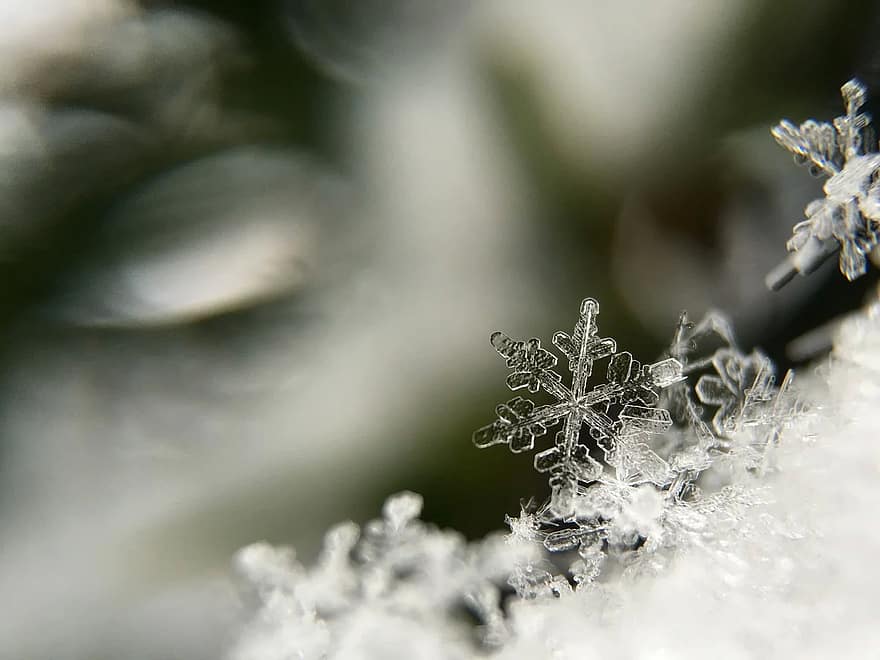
[{"x": 785, "y": 569}]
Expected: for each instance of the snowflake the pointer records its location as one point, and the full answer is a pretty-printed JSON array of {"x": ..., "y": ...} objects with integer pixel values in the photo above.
[
  {"x": 719, "y": 375},
  {"x": 729, "y": 402},
  {"x": 618, "y": 413},
  {"x": 847, "y": 217},
  {"x": 396, "y": 574}
]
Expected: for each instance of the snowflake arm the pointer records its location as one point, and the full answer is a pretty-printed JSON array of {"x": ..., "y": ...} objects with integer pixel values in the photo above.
[
  {"x": 518, "y": 424},
  {"x": 532, "y": 365},
  {"x": 584, "y": 347}
]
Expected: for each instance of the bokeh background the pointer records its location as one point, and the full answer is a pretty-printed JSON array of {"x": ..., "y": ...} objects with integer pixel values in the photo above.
[{"x": 251, "y": 254}]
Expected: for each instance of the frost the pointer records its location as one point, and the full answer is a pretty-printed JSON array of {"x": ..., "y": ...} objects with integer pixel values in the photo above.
[
  {"x": 396, "y": 572},
  {"x": 847, "y": 217},
  {"x": 729, "y": 402},
  {"x": 694, "y": 502},
  {"x": 660, "y": 429}
]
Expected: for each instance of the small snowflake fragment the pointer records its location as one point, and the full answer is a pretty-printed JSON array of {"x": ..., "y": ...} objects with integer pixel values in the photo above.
[
  {"x": 722, "y": 377},
  {"x": 848, "y": 217},
  {"x": 730, "y": 401}
]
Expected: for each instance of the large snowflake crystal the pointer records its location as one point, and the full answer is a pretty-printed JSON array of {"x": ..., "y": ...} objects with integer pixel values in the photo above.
[
  {"x": 847, "y": 217},
  {"x": 618, "y": 413}
]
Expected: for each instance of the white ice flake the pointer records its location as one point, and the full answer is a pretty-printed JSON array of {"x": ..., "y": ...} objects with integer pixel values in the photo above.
[{"x": 847, "y": 217}]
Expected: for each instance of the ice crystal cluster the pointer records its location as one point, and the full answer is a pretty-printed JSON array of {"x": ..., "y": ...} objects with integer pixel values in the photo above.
[
  {"x": 653, "y": 463},
  {"x": 655, "y": 430},
  {"x": 848, "y": 217},
  {"x": 399, "y": 577},
  {"x": 694, "y": 507}
]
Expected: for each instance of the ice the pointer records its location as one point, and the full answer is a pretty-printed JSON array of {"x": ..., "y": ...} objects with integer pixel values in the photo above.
[
  {"x": 624, "y": 404},
  {"x": 846, "y": 219},
  {"x": 674, "y": 469},
  {"x": 706, "y": 412}
]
